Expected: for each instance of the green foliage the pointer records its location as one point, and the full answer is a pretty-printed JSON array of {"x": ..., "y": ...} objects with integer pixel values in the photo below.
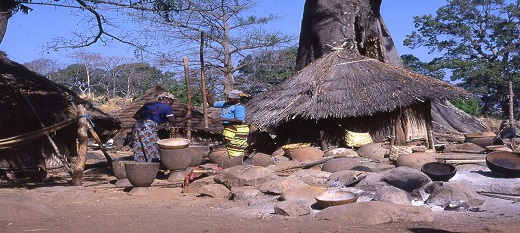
[
  {"x": 262, "y": 70},
  {"x": 478, "y": 44},
  {"x": 430, "y": 69},
  {"x": 469, "y": 106}
]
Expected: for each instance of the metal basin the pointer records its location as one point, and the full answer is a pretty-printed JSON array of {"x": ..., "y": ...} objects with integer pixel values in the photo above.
[
  {"x": 439, "y": 171},
  {"x": 503, "y": 162},
  {"x": 336, "y": 197},
  {"x": 141, "y": 174}
]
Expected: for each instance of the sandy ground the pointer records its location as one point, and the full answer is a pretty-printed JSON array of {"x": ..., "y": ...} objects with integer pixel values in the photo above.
[{"x": 99, "y": 206}]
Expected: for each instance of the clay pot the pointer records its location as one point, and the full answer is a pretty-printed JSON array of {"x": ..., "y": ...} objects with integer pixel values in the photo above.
[
  {"x": 340, "y": 164},
  {"x": 228, "y": 162},
  {"x": 306, "y": 153},
  {"x": 118, "y": 167},
  {"x": 218, "y": 156},
  {"x": 439, "y": 171},
  {"x": 197, "y": 154},
  {"x": 415, "y": 160},
  {"x": 261, "y": 159},
  {"x": 141, "y": 174},
  {"x": 176, "y": 160}
]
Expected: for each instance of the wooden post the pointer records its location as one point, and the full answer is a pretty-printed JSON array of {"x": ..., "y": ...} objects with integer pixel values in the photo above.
[
  {"x": 77, "y": 174},
  {"x": 511, "y": 113},
  {"x": 203, "y": 81},
  {"x": 188, "y": 94}
]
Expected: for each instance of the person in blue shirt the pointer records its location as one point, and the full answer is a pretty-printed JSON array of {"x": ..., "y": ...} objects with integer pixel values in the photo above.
[
  {"x": 148, "y": 118},
  {"x": 233, "y": 118}
]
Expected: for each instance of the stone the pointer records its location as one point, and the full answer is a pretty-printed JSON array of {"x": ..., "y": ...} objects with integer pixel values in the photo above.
[
  {"x": 305, "y": 195},
  {"x": 194, "y": 187},
  {"x": 244, "y": 176},
  {"x": 281, "y": 184},
  {"x": 376, "y": 212},
  {"x": 406, "y": 178},
  {"x": 443, "y": 195},
  {"x": 215, "y": 191},
  {"x": 393, "y": 195},
  {"x": 341, "y": 152},
  {"x": 288, "y": 208},
  {"x": 311, "y": 176},
  {"x": 244, "y": 193}
]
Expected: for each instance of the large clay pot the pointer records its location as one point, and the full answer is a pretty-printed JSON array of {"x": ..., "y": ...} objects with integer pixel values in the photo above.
[
  {"x": 197, "y": 154},
  {"x": 176, "y": 160},
  {"x": 141, "y": 174},
  {"x": 118, "y": 167}
]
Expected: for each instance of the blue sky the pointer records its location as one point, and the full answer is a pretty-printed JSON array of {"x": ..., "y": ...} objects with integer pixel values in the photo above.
[{"x": 27, "y": 35}]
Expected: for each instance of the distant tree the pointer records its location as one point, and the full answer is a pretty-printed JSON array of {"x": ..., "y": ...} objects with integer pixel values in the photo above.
[
  {"x": 266, "y": 68},
  {"x": 430, "y": 69},
  {"x": 45, "y": 67},
  {"x": 133, "y": 79},
  {"x": 478, "y": 42},
  {"x": 230, "y": 34}
]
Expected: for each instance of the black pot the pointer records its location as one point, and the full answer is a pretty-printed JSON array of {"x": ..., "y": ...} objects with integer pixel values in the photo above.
[
  {"x": 503, "y": 162},
  {"x": 439, "y": 171}
]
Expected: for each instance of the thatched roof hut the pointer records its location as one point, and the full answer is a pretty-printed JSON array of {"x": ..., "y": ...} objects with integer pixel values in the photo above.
[
  {"x": 28, "y": 100},
  {"x": 346, "y": 91}
]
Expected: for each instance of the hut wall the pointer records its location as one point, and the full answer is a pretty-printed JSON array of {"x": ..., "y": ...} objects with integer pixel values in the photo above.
[
  {"x": 414, "y": 123},
  {"x": 405, "y": 126}
]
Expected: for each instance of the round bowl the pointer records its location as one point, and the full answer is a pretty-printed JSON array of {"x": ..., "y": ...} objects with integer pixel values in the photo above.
[
  {"x": 141, "y": 174},
  {"x": 439, "y": 171},
  {"x": 335, "y": 197},
  {"x": 175, "y": 160},
  {"x": 503, "y": 162},
  {"x": 173, "y": 143}
]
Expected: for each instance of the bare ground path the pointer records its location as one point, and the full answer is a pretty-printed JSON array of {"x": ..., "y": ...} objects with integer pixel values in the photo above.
[{"x": 100, "y": 207}]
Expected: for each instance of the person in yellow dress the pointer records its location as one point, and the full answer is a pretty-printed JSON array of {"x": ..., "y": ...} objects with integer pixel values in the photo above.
[{"x": 233, "y": 118}]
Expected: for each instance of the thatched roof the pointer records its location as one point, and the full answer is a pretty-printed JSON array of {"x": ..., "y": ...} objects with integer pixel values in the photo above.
[
  {"x": 21, "y": 90},
  {"x": 52, "y": 102},
  {"x": 344, "y": 84}
]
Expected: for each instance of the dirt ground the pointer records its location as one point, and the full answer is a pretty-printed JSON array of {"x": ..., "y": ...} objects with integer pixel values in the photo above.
[{"x": 99, "y": 206}]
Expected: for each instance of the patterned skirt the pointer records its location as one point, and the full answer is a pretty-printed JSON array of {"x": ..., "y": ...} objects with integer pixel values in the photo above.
[
  {"x": 236, "y": 139},
  {"x": 145, "y": 141}
]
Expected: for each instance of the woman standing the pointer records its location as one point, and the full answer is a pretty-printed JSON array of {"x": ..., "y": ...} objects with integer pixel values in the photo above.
[
  {"x": 233, "y": 118},
  {"x": 148, "y": 118}
]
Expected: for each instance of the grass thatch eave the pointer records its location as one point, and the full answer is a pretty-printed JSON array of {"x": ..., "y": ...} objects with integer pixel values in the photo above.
[{"x": 345, "y": 84}]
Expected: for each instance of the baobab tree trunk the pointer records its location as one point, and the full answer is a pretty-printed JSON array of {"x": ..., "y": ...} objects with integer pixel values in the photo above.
[
  {"x": 352, "y": 24},
  {"x": 4, "y": 18}
]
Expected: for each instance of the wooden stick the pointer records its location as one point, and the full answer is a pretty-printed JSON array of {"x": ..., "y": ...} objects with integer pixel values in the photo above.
[
  {"x": 203, "y": 81},
  {"x": 188, "y": 95},
  {"x": 77, "y": 174},
  {"x": 98, "y": 141}
]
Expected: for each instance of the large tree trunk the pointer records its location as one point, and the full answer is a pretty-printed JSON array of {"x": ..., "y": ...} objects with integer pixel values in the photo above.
[
  {"x": 350, "y": 24},
  {"x": 4, "y": 18}
]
